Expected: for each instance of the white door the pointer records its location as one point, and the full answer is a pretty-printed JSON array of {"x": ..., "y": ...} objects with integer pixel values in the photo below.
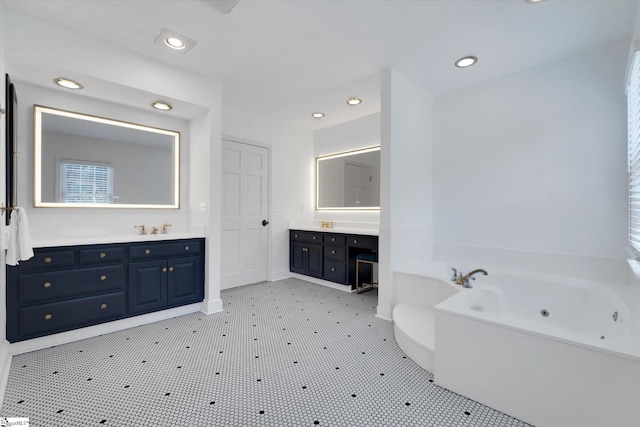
[
  {"x": 245, "y": 175},
  {"x": 358, "y": 184}
]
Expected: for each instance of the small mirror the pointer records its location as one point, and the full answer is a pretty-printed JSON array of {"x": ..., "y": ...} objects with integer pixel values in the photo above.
[
  {"x": 95, "y": 162},
  {"x": 349, "y": 181}
]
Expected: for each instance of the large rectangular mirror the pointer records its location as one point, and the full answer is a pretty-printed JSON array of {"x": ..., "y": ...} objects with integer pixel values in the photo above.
[
  {"x": 349, "y": 181},
  {"x": 95, "y": 162}
]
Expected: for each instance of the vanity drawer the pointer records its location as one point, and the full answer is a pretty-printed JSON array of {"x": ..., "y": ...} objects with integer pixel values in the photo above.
[
  {"x": 48, "y": 258},
  {"x": 335, "y": 253},
  {"x": 60, "y": 316},
  {"x": 365, "y": 242},
  {"x": 306, "y": 236},
  {"x": 164, "y": 249},
  {"x": 335, "y": 271},
  {"x": 101, "y": 255},
  {"x": 334, "y": 239},
  {"x": 54, "y": 285}
]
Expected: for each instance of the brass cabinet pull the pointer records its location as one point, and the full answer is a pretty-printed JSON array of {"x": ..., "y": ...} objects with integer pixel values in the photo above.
[
  {"x": 103, "y": 255},
  {"x": 333, "y": 239},
  {"x": 48, "y": 316},
  {"x": 170, "y": 268},
  {"x": 355, "y": 242},
  {"x": 47, "y": 284},
  {"x": 333, "y": 252},
  {"x": 186, "y": 248},
  {"x": 103, "y": 277},
  {"x": 315, "y": 237},
  {"x": 103, "y": 306},
  {"x": 333, "y": 269},
  {"x": 147, "y": 251},
  {"x": 48, "y": 259},
  {"x": 295, "y": 236},
  {"x": 164, "y": 269}
]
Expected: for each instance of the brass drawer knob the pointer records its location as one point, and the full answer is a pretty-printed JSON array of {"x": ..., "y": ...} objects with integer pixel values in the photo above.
[
  {"x": 333, "y": 239},
  {"x": 103, "y": 255},
  {"x": 48, "y": 259},
  {"x": 295, "y": 236},
  {"x": 48, "y": 316},
  {"x": 170, "y": 268},
  {"x": 333, "y": 252},
  {"x": 47, "y": 285},
  {"x": 147, "y": 251},
  {"x": 315, "y": 237},
  {"x": 355, "y": 242},
  {"x": 103, "y": 277},
  {"x": 164, "y": 269},
  {"x": 333, "y": 269},
  {"x": 103, "y": 306},
  {"x": 186, "y": 248}
]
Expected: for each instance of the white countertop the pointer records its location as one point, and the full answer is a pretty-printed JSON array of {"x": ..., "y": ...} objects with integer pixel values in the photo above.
[
  {"x": 342, "y": 230},
  {"x": 95, "y": 240}
]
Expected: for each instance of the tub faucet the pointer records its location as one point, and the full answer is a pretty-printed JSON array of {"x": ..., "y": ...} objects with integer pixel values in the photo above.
[{"x": 464, "y": 279}]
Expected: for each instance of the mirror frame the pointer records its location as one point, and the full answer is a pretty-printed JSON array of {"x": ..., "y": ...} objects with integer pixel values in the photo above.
[
  {"x": 38, "y": 110},
  {"x": 334, "y": 156}
]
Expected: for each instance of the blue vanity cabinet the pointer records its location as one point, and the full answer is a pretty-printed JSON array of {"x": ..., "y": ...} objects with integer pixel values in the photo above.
[
  {"x": 66, "y": 288},
  {"x": 171, "y": 275},
  {"x": 328, "y": 256},
  {"x": 305, "y": 256}
]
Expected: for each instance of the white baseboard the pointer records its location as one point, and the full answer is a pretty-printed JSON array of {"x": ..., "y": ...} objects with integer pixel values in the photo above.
[
  {"x": 5, "y": 365},
  {"x": 384, "y": 313},
  {"x": 104, "y": 328},
  {"x": 332, "y": 285},
  {"x": 280, "y": 275},
  {"x": 211, "y": 306}
]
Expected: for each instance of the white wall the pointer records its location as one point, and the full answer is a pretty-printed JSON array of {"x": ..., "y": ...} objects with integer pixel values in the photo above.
[
  {"x": 535, "y": 161},
  {"x": 292, "y": 166},
  {"x": 406, "y": 203},
  {"x": 355, "y": 134}
]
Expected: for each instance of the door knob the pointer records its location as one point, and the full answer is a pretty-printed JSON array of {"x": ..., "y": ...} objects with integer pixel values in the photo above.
[{"x": 264, "y": 222}]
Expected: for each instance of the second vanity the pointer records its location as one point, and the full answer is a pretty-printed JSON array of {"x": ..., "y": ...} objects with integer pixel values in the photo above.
[
  {"x": 68, "y": 287},
  {"x": 330, "y": 255}
]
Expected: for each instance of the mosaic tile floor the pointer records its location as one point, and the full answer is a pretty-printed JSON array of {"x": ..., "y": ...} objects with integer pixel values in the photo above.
[{"x": 286, "y": 353}]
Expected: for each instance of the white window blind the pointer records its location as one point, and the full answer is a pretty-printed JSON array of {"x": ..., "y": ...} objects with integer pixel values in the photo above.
[
  {"x": 633, "y": 112},
  {"x": 83, "y": 182}
]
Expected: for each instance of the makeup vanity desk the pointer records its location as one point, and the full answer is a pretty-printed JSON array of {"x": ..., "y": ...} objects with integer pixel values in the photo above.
[
  {"x": 330, "y": 254},
  {"x": 68, "y": 285}
]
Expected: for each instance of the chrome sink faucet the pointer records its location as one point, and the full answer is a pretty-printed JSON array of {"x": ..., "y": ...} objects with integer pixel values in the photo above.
[{"x": 464, "y": 280}]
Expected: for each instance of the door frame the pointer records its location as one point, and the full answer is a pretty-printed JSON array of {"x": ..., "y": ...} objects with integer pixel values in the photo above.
[{"x": 226, "y": 137}]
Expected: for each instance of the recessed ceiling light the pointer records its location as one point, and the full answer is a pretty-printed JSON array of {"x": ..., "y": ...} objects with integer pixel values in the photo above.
[
  {"x": 69, "y": 84},
  {"x": 174, "y": 43},
  {"x": 467, "y": 61},
  {"x": 533, "y": 1},
  {"x": 159, "y": 105},
  {"x": 354, "y": 101},
  {"x": 317, "y": 115}
]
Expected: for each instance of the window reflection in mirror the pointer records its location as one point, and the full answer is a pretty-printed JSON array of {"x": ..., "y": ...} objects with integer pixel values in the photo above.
[
  {"x": 88, "y": 161},
  {"x": 349, "y": 181}
]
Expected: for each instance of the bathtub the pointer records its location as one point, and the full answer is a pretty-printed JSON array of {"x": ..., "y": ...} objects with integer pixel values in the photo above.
[{"x": 549, "y": 352}]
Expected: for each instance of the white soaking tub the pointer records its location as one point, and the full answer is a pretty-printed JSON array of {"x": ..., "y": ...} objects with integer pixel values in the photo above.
[{"x": 561, "y": 353}]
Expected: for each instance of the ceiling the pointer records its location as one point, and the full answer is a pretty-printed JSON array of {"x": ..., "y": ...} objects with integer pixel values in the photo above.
[{"x": 284, "y": 59}]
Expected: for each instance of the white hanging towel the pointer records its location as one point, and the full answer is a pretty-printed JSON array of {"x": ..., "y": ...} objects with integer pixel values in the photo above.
[{"x": 19, "y": 246}]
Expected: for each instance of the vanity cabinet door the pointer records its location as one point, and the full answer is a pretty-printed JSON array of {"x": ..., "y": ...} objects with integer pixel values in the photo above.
[
  {"x": 184, "y": 281},
  {"x": 314, "y": 260},
  {"x": 297, "y": 258},
  {"x": 306, "y": 259},
  {"x": 147, "y": 285}
]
